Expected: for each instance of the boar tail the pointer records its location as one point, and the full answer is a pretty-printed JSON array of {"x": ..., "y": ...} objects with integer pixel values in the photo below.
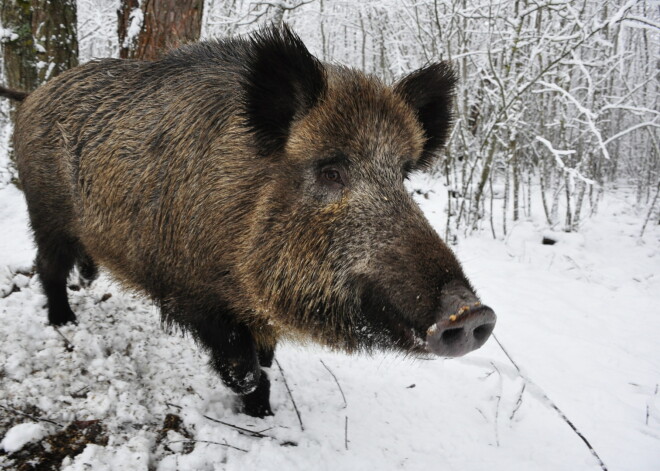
[{"x": 12, "y": 94}]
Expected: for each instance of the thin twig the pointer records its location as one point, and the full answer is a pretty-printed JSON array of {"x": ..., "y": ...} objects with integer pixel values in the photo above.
[
  {"x": 509, "y": 357},
  {"x": 241, "y": 430},
  {"x": 482, "y": 414},
  {"x": 68, "y": 345},
  {"x": 211, "y": 443},
  {"x": 518, "y": 402},
  {"x": 302, "y": 427},
  {"x": 265, "y": 430},
  {"x": 336, "y": 381},
  {"x": 346, "y": 432},
  {"x": 39, "y": 419},
  {"x": 252, "y": 433},
  {"x": 497, "y": 406},
  {"x": 554, "y": 406}
]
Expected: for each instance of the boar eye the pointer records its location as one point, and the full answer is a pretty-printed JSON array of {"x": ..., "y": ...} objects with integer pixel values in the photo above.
[{"x": 332, "y": 176}]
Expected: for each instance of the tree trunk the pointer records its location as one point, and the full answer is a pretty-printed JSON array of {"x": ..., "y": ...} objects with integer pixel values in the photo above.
[
  {"x": 148, "y": 28},
  {"x": 41, "y": 42}
]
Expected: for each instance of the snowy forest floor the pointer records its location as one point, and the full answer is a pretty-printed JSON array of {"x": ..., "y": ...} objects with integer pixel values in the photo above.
[{"x": 580, "y": 319}]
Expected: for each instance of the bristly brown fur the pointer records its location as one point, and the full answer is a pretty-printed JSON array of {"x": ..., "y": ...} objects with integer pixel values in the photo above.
[
  {"x": 201, "y": 179},
  {"x": 430, "y": 90}
]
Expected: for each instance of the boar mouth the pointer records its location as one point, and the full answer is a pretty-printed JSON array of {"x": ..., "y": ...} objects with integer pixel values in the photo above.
[
  {"x": 387, "y": 326},
  {"x": 462, "y": 324}
]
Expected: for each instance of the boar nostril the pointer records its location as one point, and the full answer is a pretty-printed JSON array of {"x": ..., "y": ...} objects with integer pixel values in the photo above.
[
  {"x": 460, "y": 333},
  {"x": 482, "y": 332},
  {"x": 451, "y": 336}
]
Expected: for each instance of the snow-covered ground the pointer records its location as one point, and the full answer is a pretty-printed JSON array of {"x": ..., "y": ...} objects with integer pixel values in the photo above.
[{"x": 580, "y": 319}]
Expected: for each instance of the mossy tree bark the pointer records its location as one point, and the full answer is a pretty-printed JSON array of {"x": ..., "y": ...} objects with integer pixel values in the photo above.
[{"x": 40, "y": 41}]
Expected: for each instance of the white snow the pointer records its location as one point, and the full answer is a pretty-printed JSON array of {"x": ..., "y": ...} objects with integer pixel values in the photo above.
[
  {"x": 579, "y": 318},
  {"x": 7, "y": 34},
  {"x": 137, "y": 19},
  {"x": 133, "y": 456},
  {"x": 20, "y": 435}
]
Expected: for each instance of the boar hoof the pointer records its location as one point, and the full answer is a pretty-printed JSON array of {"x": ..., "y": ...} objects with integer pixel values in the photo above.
[
  {"x": 257, "y": 403},
  {"x": 58, "y": 317}
]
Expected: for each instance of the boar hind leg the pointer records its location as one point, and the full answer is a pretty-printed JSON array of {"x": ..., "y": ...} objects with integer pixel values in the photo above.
[
  {"x": 56, "y": 255},
  {"x": 87, "y": 269},
  {"x": 266, "y": 356},
  {"x": 235, "y": 358},
  {"x": 257, "y": 403}
]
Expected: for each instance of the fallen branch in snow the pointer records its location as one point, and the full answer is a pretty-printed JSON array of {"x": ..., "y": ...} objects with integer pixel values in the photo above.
[
  {"x": 519, "y": 401},
  {"x": 346, "y": 432},
  {"x": 251, "y": 433},
  {"x": 211, "y": 443},
  {"x": 497, "y": 405},
  {"x": 302, "y": 427},
  {"x": 37, "y": 419},
  {"x": 482, "y": 414},
  {"x": 241, "y": 430},
  {"x": 336, "y": 381},
  {"x": 553, "y": 405},
  {"x": 68, "y": 345}
]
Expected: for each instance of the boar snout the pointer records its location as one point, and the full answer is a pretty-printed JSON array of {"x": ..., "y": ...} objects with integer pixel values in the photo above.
[{"x": 464, "y": 323}]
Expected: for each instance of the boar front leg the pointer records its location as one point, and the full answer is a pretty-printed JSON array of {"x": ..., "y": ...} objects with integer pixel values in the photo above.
[{"x": 236, "y": 359}]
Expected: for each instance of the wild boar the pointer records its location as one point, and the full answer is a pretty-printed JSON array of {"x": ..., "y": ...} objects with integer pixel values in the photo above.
[{"x": 255, "y": 194}]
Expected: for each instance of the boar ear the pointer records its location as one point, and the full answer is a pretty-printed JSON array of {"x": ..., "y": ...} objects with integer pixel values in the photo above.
[
  {"x": 282, "y": 82},
  {"x": 430, "y": 91}
]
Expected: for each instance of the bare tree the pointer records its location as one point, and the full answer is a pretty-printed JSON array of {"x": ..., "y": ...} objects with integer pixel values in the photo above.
[{"x": 556, "y": 100}]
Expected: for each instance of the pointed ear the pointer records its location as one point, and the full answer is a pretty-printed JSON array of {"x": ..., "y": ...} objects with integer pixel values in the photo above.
[
  {"x": 282, "y": 82},
  {"x": 430, "y": 92}
]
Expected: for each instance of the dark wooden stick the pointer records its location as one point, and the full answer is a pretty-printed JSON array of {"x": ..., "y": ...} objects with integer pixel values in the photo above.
[
  {"x": 68, "y": 345},
  {"x": 211, "y": 443},
  {"x": 302, "y": 427},
  {"x": 39, "y": 419},
  {"x": 518, "y": 402},
  {"x": 241, "y": 430},
  {"x": 555, "y": 407},
  {"x": 336, "y": 381}
]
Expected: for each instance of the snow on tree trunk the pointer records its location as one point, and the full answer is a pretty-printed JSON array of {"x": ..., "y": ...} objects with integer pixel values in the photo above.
[{"x": 147, "y": 28}]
